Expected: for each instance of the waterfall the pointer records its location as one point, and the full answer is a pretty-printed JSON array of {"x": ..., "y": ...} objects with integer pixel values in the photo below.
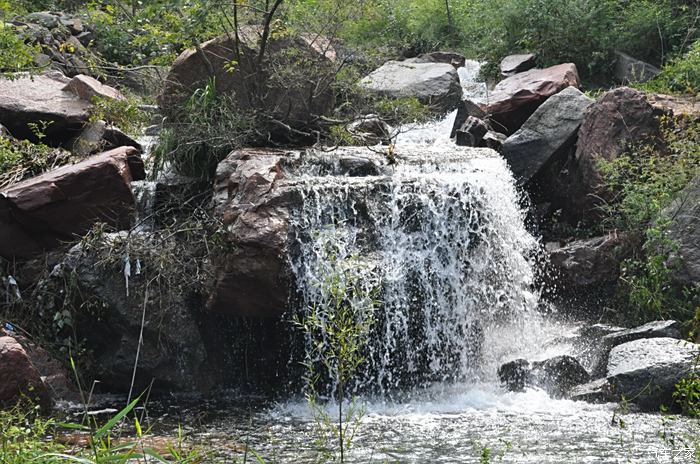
[{"x": 442, "y": 235}]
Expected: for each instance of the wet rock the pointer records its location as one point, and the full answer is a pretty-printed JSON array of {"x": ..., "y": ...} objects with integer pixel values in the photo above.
[
  {"x": 684, "y": 230},
  {"x": 588, "y": 264},
  {"x": 56, "y": 207},
  {"x": 494, "y": 140},
  {"x": 619, "y": 118},
  {"x": 514, "y": 99},
  {"x": 18, "y": 377},
  {"x": 513, "y": 64},
  {"x": 434, "y": 84},
  {"x": 370, "y": 130},
  {"x": 455, "y": 59},
  {"x": 597, "y": 391},
  {"x": 283, "y": 99},
  {"x": 646, "y": 371},
  {"x": 87, "y": 88},
  {"x": 655, "y": 329},
  {"x": 30, "y": 100},
  {"x": 547, "y": 134},
  {"x": 558, "y": 375},
  {"x": 515, "y": 375},
  {"x": 629, "y": 70},
  {"x": 472, "y": 133},
  {"x": 466, "y": 109}
]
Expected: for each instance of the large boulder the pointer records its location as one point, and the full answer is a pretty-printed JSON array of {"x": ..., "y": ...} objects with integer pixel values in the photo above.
[
  {"x": 514, "y": 64},
  {"x": 136, "y": 302},
  {"x": 43, "y": 212},
  {"x": 28, "y": 100},
  {"x": 646, "y": 371},
  {"x": 514, "y": 99},
  {"x": 546, "y": 134},
  {"x": 18, "y": 377},
  {"x": 434, "y": 84},
  {"x": 619, "y": 118},
  {"x": 587, "y": 264},
  {"x": 629, "y": 70},
  {"x": 291, "y": 85},
  {"x": 684, "y": 230}
]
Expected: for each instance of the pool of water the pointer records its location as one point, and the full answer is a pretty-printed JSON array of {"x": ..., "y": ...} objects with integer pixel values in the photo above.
[{"x": 445, "y": 424}]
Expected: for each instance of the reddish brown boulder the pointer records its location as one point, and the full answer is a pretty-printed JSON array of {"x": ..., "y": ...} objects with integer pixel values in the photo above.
[
  {"x": 86, "y": 88},
  {"x": 40, "y": 213},
  {"x": 514, "y": 99},
  {"x": 18, "y": 377},
  {"x": 619, "y": 118}
]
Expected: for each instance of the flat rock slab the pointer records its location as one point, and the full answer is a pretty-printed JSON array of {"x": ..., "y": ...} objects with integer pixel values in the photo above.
[
  {"x": 26, "y": 100},
  {"x": 41, "y": 213},
  {"x": 646, "y": 371},
  {"x": 514, "y": 99},
  {"x": 513, "y": 64},
  {"x": 545, "y": 134},
  {"x": 434, "y": 84}
]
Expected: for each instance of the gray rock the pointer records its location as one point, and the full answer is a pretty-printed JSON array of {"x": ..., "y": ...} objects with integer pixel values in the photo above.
[
  {"x": 27, "y": 100},
  {"x": 43, "y": 18},
  {"x": 546, "y": 134},
  {"x": 557, "y": 375},
  {"x": 494, "y": 140},
  {"x": 515, "y": 375},
  {"x": 597, "y": 391},
  {"x": 646, "y": 371},
  {"x": 466, "y": 109},
  {"x": 513, "y": 64},
  {"x": 370, "y": 130},
  {"x": 472, "y": 133},
  {"x": 655, "y": 329},
  {"x": 98, "y": 136},
  {"x": 434, "y": 84},
  {"x": 455, "y": 59},
  {"x": 684, "y": 230},
  {"x": 629, "y": 70},
  {"x": 588, "y": 263}
]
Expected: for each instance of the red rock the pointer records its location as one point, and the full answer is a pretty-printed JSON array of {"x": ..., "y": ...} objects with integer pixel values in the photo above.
[
  {"x": 514, "y": 99},
  {"x": 40, "y": 213},
  {"x": 86, "y": 87},
  {"x": 18, "y": 377}
]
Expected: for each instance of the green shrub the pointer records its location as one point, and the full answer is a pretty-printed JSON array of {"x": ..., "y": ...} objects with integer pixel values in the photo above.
[
  {"x": 21, "y": 160},
  {"x": 680, "y": 75},
  {"x": 125, "y": 114}
]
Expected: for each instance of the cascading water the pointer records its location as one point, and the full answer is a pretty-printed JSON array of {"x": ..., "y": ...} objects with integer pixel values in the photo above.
[{"x": 442, "y": 234}]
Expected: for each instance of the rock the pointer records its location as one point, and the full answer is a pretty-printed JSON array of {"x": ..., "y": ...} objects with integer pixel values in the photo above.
[
  {"x": 589, "y": 264},
  {"x": 295, "y": 102},
  {"x": 629, "y": 70},
  {"x": 30, "y": 100},
  {"x": 547, "y": 134},
  {"x": 455, "y": 59},
  {"x": 172, "y": 352},
  {"x": 655, "y": 329},
  {"x": 597, "y": 391},
  {"x": 86, "y": 88},
  {"x": 515, "y": 375},
  {"x": 679, "y": 106},
  {"x": 494, "y": 140},
  {"x": 513, "y": 64},
  {"x": 434, "y": 84},
  {"x": 619, "y": 118},
  {"x": 98, "y": 136},
  {"x": 515, "y": 98},
  {"x": 466, "y": 109},
  {"x": 74, "y": 24},
  {"x": 558, "y": 375},
  {"x": 18, "y": 377},
  {"x": 86, "y": 37},
  {"x": 684, "y": 231},
  {"x": 43, "y": 212},
  {"x": 370, "y": 130},
  {"x": 42, "y": 60},
  {"x": 43, "y": 18},
  {"x": 472, "y": 133},
  {"x": 646, "y": 371}
]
